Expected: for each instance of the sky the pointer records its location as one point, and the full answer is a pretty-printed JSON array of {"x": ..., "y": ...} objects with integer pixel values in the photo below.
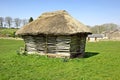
[{"x": 89, "y": 12}]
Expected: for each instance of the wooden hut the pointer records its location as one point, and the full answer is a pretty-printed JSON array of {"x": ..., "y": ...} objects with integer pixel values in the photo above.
[{"x": 55, "y": 33}]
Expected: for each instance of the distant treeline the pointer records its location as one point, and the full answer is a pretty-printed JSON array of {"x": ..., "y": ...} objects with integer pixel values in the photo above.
[
  {"x": 99, "y": 29},
  {"x": 9, "y": 22}
]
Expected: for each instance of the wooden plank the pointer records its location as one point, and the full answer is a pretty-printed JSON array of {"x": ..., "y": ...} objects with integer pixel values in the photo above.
[
  {"x": 63, "y": 44},
  {"x": 51, "y": 44},
  {"x": 77, "y": 48},
  {"x": 40, "y": 44}
]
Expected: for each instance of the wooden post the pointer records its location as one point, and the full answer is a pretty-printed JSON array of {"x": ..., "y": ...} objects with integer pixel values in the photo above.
[{"x": 46, "y": 44}]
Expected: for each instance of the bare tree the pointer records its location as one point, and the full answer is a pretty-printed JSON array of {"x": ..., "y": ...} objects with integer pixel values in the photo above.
[
  {"x": 110, "y": 26},
  {"x": 8, "y": 21},
  {"x": 24, "y": 21},
  {"x": 104, "y": 27},
  {"x": 17, "y": 22},
  {"x": 1, "y": 21}
]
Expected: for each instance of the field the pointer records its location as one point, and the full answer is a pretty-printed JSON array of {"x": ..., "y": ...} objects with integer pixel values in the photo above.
[
  {"x": 7, "y": 32},
  {"x": 102, "y": 62}
]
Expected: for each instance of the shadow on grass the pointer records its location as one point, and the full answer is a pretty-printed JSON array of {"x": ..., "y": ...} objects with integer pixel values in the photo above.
[{"x": 90, "y": 54}]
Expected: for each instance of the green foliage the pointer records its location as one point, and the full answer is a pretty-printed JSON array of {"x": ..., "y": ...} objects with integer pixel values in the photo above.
[
  {"x": 102, "y": 66},
  {"x": 31, "y": 19},
  {"x": 7, "y": 32}
]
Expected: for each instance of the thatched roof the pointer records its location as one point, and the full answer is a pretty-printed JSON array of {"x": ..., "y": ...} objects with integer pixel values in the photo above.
[{"x": 56, "y": 23}]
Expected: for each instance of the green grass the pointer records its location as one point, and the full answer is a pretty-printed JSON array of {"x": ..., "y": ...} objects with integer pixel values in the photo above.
[
  {"x": 7, "y": 32},
  {"x": 102, "y": 63}
]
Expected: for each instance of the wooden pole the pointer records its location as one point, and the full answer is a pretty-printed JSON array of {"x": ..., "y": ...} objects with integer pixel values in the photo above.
[{"x": 46, "y": 44}]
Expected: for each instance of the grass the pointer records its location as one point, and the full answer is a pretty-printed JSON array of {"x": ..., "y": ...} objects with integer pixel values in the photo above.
[
  {"x": 101, "y": 63},
  {"x": 7, "y": 32}
]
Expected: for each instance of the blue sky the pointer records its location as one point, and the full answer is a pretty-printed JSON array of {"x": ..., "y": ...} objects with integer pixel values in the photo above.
[{"x": 89, "y": 12}]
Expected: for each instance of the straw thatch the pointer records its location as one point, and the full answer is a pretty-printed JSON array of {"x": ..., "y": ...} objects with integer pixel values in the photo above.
[{"x": 55, "y": 23}]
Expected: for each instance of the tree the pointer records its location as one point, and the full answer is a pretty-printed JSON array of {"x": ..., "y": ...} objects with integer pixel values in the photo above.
[
  {"x": 31, "y": 19},
  {"x": 1, "y": 21},
  {"x": 17, "y": 22},
  {"x": 98, "y": 29},
  {"x": 8, "y": 21},
  {"x": 88, "y": 26},
  {"x": 24, "y": 21}
]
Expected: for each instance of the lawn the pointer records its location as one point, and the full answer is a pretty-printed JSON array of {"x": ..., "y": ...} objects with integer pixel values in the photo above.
[{"x": 102, "y": 62}]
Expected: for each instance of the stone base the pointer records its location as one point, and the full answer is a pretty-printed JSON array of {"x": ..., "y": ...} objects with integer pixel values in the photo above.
[{"x": 57, "y": 55}]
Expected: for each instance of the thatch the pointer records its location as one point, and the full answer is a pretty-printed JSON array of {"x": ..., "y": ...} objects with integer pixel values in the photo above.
[{"x": 56, "y": 23}]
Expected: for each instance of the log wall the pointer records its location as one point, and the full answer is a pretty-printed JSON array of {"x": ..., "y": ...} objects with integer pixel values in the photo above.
[
  {"x": 63, "y": 44},
  {"x": 73, "y": 46},
  {"x": 30, "y": 45},
  {"x": 40, "y": 44},
  {"x": 82, "y": 44},
  {"x": 77, "y": 45},
  {"x": 50, "y": 44}
]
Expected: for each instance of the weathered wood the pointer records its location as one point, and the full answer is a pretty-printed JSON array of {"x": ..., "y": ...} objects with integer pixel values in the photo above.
[
  {"x": 62, "y": 44},
  {"x": 77, "y": 48},
  {"x": 40, "y": 43},
  {"x": 30, "y": 45},
  {"x": 51, "y": 44},
  {"x": 73, "y": 46}
]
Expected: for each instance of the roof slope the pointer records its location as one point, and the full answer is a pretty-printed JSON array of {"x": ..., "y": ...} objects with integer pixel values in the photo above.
[{"x": 57, "y": 23}]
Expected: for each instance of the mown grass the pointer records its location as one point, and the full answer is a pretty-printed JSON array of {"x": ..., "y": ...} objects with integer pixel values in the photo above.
[{"x": 101, "y": 63}]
